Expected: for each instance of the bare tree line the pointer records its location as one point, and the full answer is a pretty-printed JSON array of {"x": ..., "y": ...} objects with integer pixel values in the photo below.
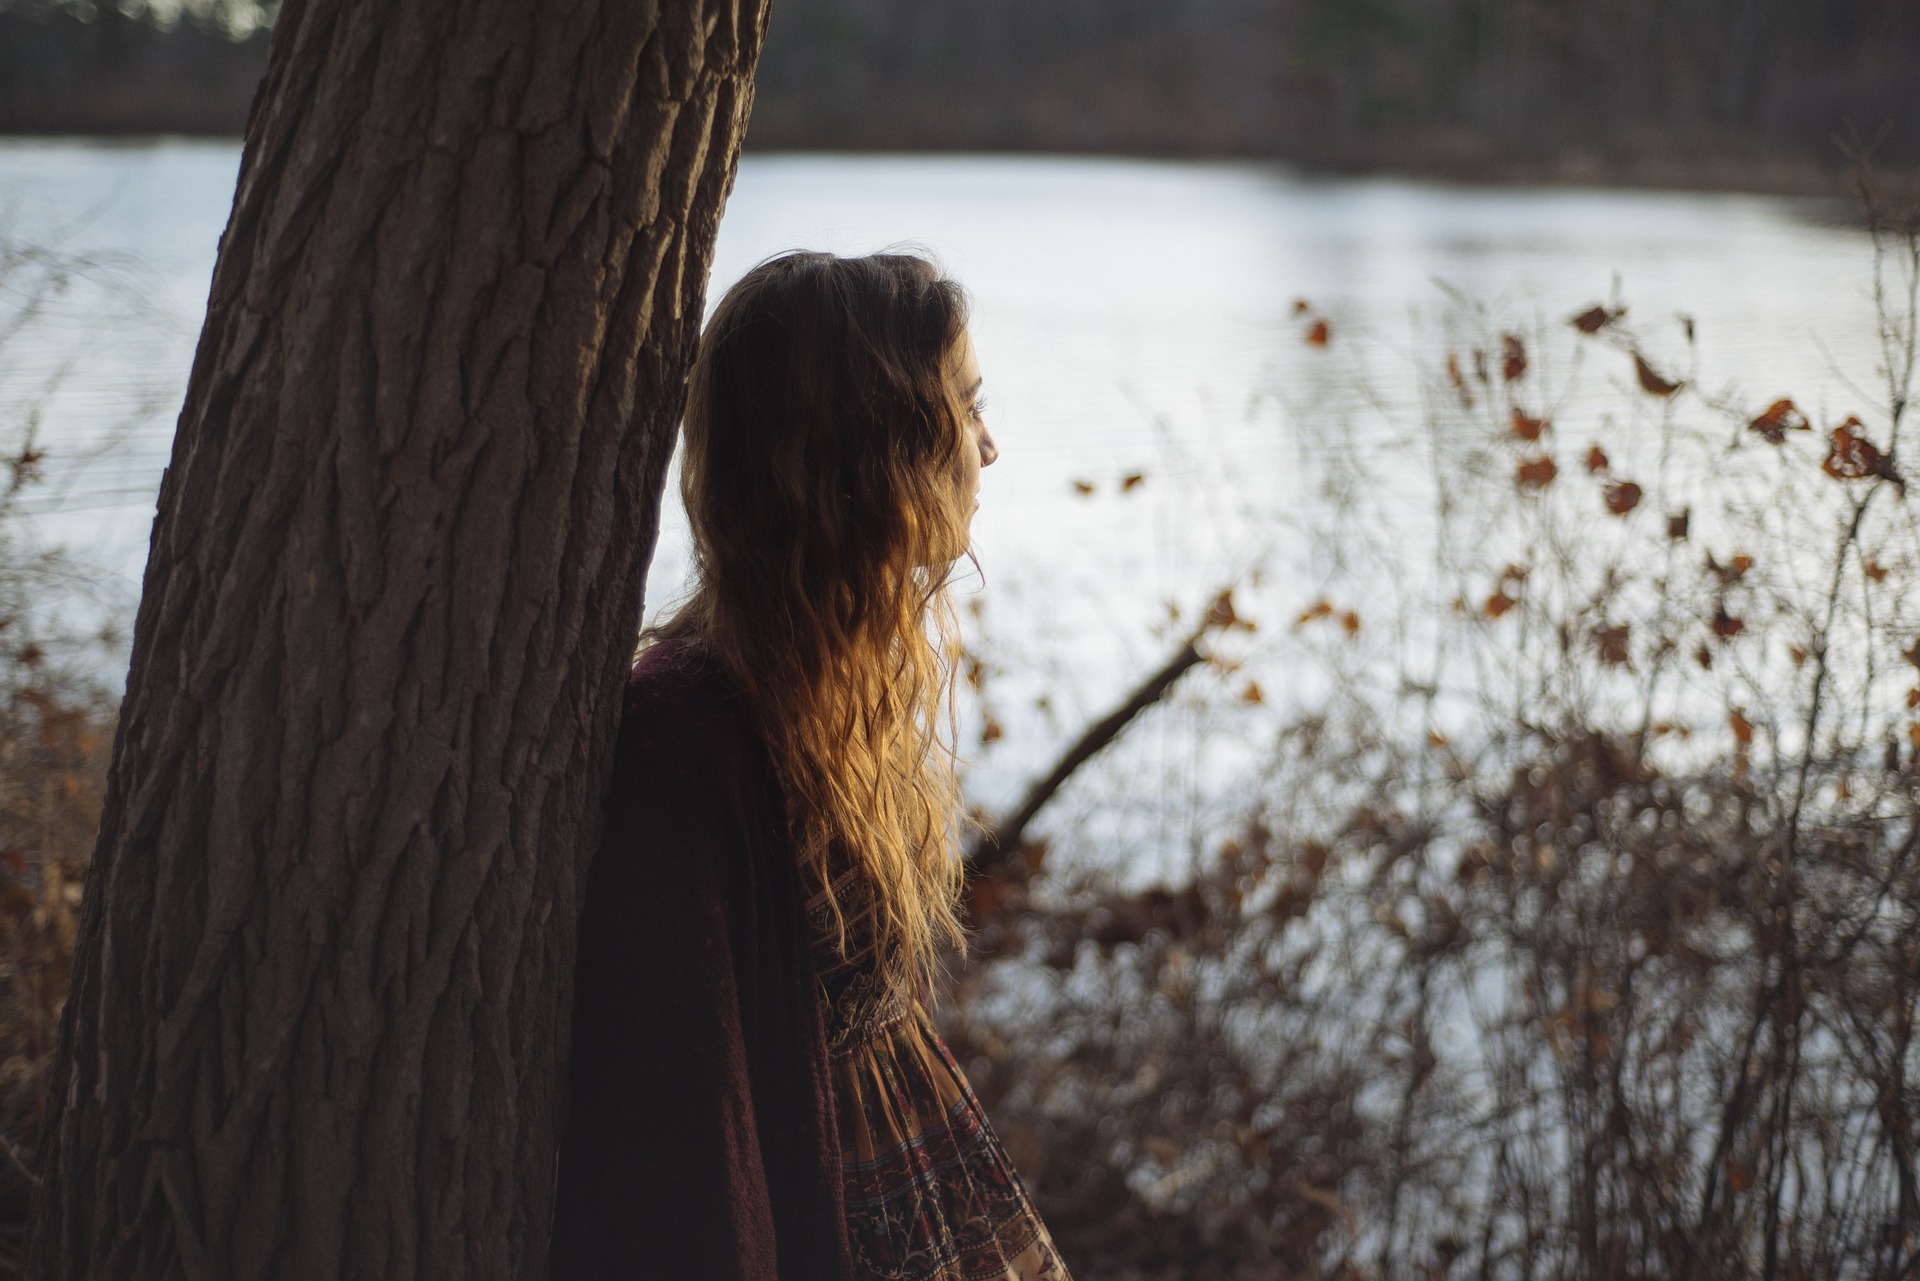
[{"x": 1638, "y": 90}]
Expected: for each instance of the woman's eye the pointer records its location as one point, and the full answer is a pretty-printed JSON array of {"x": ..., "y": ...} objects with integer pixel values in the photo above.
[{"x": 980, "y": 407}]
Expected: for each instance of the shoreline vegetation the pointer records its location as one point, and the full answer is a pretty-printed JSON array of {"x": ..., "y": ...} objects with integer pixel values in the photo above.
[
  {"x": 1574, "y": 930},
  {"x": 1655, "y": 94}
]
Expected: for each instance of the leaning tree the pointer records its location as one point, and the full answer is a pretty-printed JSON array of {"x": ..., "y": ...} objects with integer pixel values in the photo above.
[{"x": 317, "y": 1016}]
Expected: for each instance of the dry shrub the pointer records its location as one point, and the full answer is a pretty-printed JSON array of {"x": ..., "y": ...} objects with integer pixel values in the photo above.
[
  {"x": 54, "y": 737},
  {"x": 56, "y": 724},
  {"x": 1573, "y": 928}
]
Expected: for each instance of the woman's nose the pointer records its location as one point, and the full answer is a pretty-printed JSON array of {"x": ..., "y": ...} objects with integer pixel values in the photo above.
[{"x": 988, "y": 450}]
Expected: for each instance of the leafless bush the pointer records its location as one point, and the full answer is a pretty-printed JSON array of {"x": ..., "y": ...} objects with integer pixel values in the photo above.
[
  {"x": 56, "y": 726},
  {"x": 1575, "y": 931}
]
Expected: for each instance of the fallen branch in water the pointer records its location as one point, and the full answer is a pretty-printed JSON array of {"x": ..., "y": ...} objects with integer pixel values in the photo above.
[{"x": 995, "y": 850}]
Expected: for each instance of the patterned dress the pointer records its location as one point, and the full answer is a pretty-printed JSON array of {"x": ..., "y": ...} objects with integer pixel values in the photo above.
[{"x": 930, "y": 1193}]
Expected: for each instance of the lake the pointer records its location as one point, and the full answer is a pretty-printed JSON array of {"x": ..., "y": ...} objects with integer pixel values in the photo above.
[{"x": 1131, "y": 318}]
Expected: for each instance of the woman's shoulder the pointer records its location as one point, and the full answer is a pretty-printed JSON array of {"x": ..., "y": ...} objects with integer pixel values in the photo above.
[{"x": 681, "y": 707}]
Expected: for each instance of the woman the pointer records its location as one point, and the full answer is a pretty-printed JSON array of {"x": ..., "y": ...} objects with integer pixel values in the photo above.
[{"x": 755, "y": 1089}]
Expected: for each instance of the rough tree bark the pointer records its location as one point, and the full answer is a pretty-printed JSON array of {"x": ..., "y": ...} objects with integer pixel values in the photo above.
[{"x": 316, "y": 1021}]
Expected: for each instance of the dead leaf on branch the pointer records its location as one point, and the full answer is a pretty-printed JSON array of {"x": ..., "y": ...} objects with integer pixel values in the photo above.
[
  {"x": 1651, "y": 380},
  {"x": 1458, "y": 380},
  {"x": 1220, "y": 613},
  {"x": 1731, "y": 572},
  {"x": 1513, "y": 357},
  {"x": 1525, "y": 427},
  {"x": 1596, "y": 318},
  {"x": 1622, "y": 497},
  {"x": 1779, "y": 418},
  {"x": 1853, "y": 457},
  {"x": 1536, "y": 473},
  {"x": 1612, "y": 643}
]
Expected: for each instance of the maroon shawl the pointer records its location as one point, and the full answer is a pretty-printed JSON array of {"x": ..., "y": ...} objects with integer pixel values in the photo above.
[{"x": 700, "y": 1140}]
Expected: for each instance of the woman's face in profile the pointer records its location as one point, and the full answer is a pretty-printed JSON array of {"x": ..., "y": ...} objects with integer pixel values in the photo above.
[{"x": 963, "y": 374}]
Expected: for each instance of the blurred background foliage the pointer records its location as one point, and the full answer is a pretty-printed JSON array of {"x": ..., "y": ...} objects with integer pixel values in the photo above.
[{"x": 1727, "y": 93}]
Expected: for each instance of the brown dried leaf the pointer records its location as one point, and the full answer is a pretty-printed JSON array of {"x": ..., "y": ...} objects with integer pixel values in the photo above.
[
  {"x": 1622, "y": 497},
  {"x": 1252, "y": 694},
  {"x": 1084, "y": 488},
  {"x": 1535, "y": 473},
  {"x": 1131, "y": 481},
  {"x": 1513, "y": 357},
  {"x": 1596, "y": 318},
  {"x": 1612, "y": 643},
  {"x": 1525, "y": 427},
  {"x": 1779, "y": 418},
  {"x": 1731, "y": 572},
  {"x": 1651, "y": 381},
  {"x": 1725, "y": 625},
  {"x": 1319, "y": 609},
  {"x": 1677, "y": 524},
  {"x": 1498, "y": 604},
  {"x": 1852, "y": 456},
  {"x": 1596, "y": 459},
  {"x": 1319, "y": 335}
]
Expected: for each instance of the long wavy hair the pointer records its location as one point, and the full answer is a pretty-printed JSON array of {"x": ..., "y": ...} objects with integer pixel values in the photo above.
[{"x": 820, "y": 473}]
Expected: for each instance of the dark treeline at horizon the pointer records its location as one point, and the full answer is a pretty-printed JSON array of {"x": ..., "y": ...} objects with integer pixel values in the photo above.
[{"x": 1719, "y": 92}]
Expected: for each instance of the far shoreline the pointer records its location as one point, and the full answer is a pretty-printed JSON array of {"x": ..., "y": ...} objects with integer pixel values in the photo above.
[{"x": 1783, "y": 176}]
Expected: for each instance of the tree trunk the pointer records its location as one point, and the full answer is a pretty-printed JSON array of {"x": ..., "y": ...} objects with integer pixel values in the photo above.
[{"x": 317, "y": 1019}]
